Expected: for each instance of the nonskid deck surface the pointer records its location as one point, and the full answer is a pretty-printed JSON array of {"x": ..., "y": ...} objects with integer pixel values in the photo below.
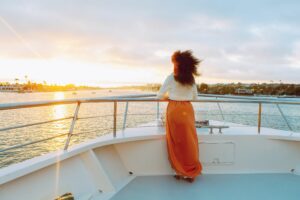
[{"x": 214, "y": 187}]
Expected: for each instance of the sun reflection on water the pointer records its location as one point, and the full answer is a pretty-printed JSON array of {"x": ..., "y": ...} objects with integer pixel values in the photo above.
[
  {"x": 59, "y": 111},
  {"x": 59, "y": 95}
]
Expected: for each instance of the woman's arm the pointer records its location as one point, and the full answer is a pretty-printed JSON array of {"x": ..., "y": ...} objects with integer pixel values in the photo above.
[
  {"x": 162, "y": 94},
  {"x": 195, "y": 92}
]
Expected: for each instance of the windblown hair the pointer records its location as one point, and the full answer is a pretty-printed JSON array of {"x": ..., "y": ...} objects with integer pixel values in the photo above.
[{"x": 187, "y": 67}]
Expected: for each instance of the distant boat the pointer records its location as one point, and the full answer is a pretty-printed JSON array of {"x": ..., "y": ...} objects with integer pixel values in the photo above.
[{"x": 109, "y": 91}]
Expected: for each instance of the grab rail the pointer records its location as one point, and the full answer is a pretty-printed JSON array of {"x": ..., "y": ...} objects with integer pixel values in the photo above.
[{"x": 126, "y": 99}]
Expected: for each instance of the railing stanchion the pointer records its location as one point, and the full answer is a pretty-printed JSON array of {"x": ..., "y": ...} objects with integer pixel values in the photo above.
[
  {"x": 283, "y": 116},
  {"x": 221, "y": 111},
  {"x": 72, "y": 126},
  {"x": 125, "y": 115},
  {"x": 115, "y": 119},
  {"x": 259, "y": 118}
]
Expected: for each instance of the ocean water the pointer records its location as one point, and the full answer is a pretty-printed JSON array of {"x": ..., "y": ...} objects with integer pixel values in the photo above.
[{"x": 95, "y": 119}]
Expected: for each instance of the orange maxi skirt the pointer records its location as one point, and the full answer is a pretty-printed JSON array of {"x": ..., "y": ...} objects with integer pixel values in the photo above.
[{"x": 182, "y": 140}]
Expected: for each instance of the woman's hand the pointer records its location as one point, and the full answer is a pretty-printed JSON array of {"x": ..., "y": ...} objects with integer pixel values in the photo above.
[{"x": 165, "y": 97}]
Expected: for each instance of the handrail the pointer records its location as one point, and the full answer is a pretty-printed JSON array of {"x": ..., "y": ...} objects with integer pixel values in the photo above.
[
  {"x": 237, "y": 97},
  {"x": 34, "y": 124},
  {"x": 33, "y": 142},
  {"x": 9, "y": 106},
  {"x": 283, "y": 116},
  {"x": 126, "y": 99}
]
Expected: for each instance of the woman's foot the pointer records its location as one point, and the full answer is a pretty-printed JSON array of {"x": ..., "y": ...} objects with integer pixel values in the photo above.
[
  {"x": 189, "y": 179},
  {"x": 178, "y": 177},
  {"x": 186, "y": 178}
]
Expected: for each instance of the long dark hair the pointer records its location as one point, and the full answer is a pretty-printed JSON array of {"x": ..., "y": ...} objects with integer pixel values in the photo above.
[{"x": 186, "y": 65}]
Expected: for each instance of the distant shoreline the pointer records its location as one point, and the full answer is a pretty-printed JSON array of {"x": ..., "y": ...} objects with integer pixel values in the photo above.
[
  {"x": 239, "y": 89},
  {"x": 41, "y": 91},
  {"x": 134, "y": 89}
]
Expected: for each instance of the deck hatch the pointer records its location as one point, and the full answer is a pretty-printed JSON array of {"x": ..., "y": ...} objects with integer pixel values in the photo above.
[{"x": 217, "y": 153}]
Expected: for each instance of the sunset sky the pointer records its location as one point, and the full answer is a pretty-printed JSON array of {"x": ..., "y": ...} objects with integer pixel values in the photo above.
[{"x": 115, "y": 42}]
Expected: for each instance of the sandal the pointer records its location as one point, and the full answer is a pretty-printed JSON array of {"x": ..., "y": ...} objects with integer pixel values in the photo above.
[
  {"x": 189, "y": 179},
  {"x": 178, "y": 177}
]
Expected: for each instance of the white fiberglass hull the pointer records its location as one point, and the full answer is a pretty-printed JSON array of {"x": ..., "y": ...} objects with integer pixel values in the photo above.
[{"x": 99, "y": 169}]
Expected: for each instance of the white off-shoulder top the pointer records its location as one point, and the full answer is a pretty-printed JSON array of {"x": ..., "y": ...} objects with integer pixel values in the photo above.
[{"x": 176, "y": 91}]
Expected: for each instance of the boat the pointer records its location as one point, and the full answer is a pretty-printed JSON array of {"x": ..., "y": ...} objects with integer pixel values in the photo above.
[{"x": 240, "y": 162}]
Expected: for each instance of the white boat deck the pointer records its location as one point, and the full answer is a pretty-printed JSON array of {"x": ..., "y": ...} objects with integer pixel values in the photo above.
[
  {"x": 238, "y": 164},
  {"x": 214, "y": 187},
  {"x": 149, "y": 130}
]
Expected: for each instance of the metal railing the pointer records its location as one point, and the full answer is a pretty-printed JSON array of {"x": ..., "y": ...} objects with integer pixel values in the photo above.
[{"x": 115, "y": 100}]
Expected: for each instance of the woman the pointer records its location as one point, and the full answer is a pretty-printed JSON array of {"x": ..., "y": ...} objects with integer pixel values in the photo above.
[{"x": 181, "y": 135}]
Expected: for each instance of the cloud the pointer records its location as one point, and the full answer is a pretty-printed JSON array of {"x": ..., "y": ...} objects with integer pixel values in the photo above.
[
  {"x": 201, "y": 22},
  {"x": 294, "y": 58},
  {"x": 237, "y": 40}
]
